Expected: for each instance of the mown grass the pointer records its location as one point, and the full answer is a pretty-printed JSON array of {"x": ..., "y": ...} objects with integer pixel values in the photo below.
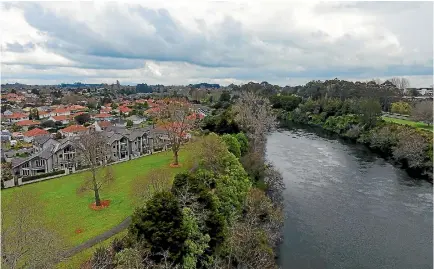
[
  {"x": 416, "y": 124},
  {"x": 65, "y": 210},
  {"x": 77, "y": 260}
]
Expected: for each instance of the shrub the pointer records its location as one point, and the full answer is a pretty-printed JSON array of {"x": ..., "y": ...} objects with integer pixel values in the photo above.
[
  {"x": 30, "y": 178},
  {"x": 243, "y": 141}
]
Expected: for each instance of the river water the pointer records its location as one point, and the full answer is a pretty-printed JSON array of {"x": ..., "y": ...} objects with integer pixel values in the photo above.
[{"x": 347, "y": 208}]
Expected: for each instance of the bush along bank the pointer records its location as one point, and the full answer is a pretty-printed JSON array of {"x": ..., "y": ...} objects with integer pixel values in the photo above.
[{"x": 360, "y": 120}]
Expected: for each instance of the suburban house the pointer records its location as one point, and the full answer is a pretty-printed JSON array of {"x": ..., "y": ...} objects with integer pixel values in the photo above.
[
  {"x": 73, "y": 130},
  {"x": 61, "y": 112},
  {"x": 101, "y": 125},
  {"x": 30, "y": 135},
  {"x": 52, "y": 155},
  {"x": 62, "y": 119},
  {"x": 103, "y": 117},
  {"x": 16, "y": 117},
  {"x": 25, "y": 124},
  {"x": 136, "y": 119}
]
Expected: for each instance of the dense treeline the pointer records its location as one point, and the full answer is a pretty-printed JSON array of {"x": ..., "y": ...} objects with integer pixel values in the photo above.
[{"x": 224, "y": 212}]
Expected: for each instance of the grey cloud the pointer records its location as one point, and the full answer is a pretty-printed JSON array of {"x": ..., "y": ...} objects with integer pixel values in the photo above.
[{"x": 17, "y": 47}]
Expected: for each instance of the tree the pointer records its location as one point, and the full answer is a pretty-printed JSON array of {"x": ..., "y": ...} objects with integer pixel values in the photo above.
[
  {"x": 232, "y": 144},
  {"x": 254, "y": 115},
  {"x": 6, "y": 173},
  {"x": 48, "y": 124},
  {"x": 412, "y": 148},
  {"x": 129, "y": 123},
  {"x": 15, "y": 128},
  {"x": 400, "y": 83},
  {"x": 423, "y": 111},
  {"x": 176, "y": 119},
  {"x": 225, "y": 96},
  {"x": 34, "y": 114},
  {"x": 25, "y": 241},
  {"x": 401, "y": 108},
  {"x": 160, "y": 225},
  {"x": 82, "y": 118},
  {"x": 370, "y": 111},
  {"x": 243, "y": 141},
  {"x": 94, "y": 151}
]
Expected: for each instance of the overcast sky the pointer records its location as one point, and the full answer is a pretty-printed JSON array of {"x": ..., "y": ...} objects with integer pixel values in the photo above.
[{"x": 183, "y": 42}]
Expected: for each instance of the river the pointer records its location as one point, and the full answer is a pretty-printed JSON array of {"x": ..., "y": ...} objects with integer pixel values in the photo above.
[{"x": 345, "y": 207}]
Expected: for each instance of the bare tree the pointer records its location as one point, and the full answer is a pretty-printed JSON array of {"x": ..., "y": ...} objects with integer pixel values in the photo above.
[
  {"x": 176, "y": 119},
  {"x": 250, "y": 237},
  {"x": 254, "y": 115},
  {"x": 400, "y": 83},
  {"x": 94, "y": 151},
  {"x": 423, "y": 111},
  {"x": 25, "y": 241}
]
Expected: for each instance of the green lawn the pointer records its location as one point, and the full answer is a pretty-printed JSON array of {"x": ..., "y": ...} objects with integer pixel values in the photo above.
[
  {"x": 77, "y": 260},
  {"x": 66, "y": 211},
  {"x": 420, "y": 125}
]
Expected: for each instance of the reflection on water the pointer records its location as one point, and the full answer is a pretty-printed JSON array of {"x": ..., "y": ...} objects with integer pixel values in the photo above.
[{"x": 348, "y": 208}]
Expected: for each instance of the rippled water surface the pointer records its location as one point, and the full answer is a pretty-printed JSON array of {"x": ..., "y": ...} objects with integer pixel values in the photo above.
[{"x": 347, "y": 208}]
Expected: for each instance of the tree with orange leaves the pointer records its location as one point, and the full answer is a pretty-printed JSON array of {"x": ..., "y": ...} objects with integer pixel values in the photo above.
[{"x": 176, "y": 117}]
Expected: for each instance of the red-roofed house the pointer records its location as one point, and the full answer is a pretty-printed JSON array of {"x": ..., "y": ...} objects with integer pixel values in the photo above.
[
  {"x": 105, "y": 110},
  {"x": 44, "y": 114},
  {"x": 16, "y": 117},
  {"x": 27, "y": 123},
  {"x": 63, "y": 119},
  {"x": 101, "y": 125},
  {"x": 103, "y": 117},
  {"x": 73, "y": 130},
  {"x": 61, "y": 112},
  {"x": 125, "y": 110},
  {"x": 76, "y": 108},
  {"x": 30, "y": 135}
]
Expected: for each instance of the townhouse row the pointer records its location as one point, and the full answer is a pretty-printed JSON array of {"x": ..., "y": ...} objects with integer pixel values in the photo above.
[{"x": 52, "y": 155}]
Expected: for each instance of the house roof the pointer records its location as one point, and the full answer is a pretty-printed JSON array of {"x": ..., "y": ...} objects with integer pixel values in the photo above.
[
  {"x": 61, "y": 110},
  {"x": 16, "y": 115},
  {"x": 35, "y": 132},
  {"x": 76, "y": 107},
  {"x": 74, "y": 129},
  {"x": 104, "y": 124},
  {"x": 103, "y": 115},
  {"x": 60, "y": 118},
  {"x": 41, "y": 139},
  {"x": 28, "y": 122},
  {"x": 124, "y": 109}
]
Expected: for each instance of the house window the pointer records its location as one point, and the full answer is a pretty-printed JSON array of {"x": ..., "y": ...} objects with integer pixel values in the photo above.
[
  {"x": 26, "y": 165},
  {"x": 114, "y": 147},
  {"x": 60, "y": 155},
  {"x": 40, "y": 163},
  {"x": 114, "y": 154}
]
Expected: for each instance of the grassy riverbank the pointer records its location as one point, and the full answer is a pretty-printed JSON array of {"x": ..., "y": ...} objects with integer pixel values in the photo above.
[{"x": 411, "y": 123}]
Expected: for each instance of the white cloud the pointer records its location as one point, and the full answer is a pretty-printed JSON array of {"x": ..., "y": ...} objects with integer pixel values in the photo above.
[{"x": 181, "y": 42}]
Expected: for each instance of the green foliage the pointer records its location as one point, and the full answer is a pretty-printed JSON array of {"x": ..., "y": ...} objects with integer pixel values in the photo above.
[
  {"x": 129, "y": 123},
  {"x": 232, "y": 144},
  {"x": 223, "y": 123},
  {"x": 370, "y": 111},
  {"x": 225, "y": 96},
  {"x": 82, "y": 118},
  {"x": 196, "y": 242},
  {"x": 285, "y": 102},
  {"x": 159, "y": 224},
  {"x": 340, "y": 124},
  {"x": 401, "y": 108},
  {"x": 331, "y": 106},
  {"x": 243, "y": 141}
]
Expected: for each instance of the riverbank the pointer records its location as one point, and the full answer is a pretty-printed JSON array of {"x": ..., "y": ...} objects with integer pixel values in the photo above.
[{"x": 405, "y": 146}]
